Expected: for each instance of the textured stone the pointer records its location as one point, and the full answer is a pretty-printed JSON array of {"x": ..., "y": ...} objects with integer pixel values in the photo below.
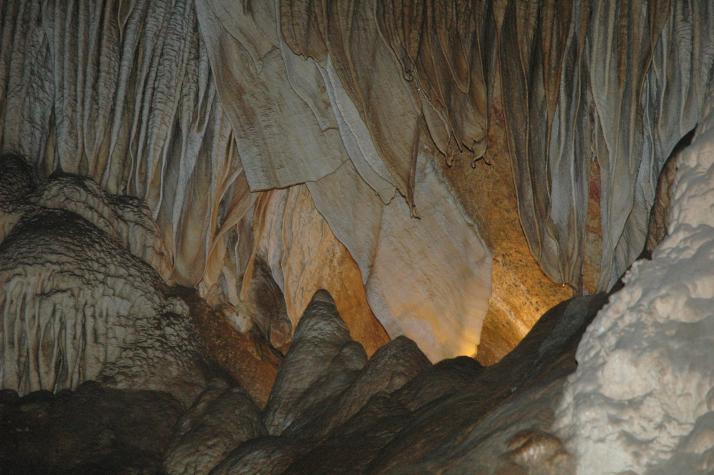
[
  {"x": 302, "y": 255},
  {"x": 319, "y": 338},
  {"x": 221, "y": 420},
  {"x": 90, "y": 430},
  {"x": 148, "y": 99},
  {"x": 124, "y": 93},
  {"x": 187, "y": 105},
  {"x": 388, "y": 370},
  {"x": 75, "y": 305},
  {"x": 520, "y": 291},
  {"x": 470, "y": 427},
  {"x": 641, "y": 395},
  {"x": 245, "y": 356},
  {"x": 456, "y": 416}
]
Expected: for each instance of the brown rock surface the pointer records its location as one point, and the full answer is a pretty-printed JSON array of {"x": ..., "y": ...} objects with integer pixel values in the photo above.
[
  {"x": 246, "y": 357},
  {"x": 90, "y": 430},
  {"x": 457, "y": 417},
  {"x": 221, "y": 419},
  {"x": 305, "y": 256},
  {"x": 389, "y": 369},
  {"x": 520, "y": 291},
  {"x": 320, "y": 337}
]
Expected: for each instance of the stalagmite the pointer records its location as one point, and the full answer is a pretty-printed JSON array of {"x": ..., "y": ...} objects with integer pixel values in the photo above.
[
  {"x": 641, "y": 398},
  {"x": 366, "y": 236},
  {"x": 76, "y": 305}
]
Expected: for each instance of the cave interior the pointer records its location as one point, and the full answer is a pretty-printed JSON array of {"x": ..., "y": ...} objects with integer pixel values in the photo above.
[{"x": 367, "y": 236}]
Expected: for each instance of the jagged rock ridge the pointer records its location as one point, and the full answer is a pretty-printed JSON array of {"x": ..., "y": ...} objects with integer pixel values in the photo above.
[{"x": 331, "y": 410}]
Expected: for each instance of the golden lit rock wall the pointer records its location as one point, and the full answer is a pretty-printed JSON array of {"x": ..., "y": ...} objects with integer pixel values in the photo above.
[{"x": 305, "y": 256}]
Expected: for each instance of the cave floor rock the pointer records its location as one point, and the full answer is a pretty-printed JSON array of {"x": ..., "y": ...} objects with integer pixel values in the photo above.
[
  {"x": 330, "y": 411},
  {"x": 91, "y": 430}
]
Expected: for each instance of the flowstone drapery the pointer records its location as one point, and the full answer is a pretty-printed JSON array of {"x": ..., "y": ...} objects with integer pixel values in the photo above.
[{"x": 197, "y": 106}]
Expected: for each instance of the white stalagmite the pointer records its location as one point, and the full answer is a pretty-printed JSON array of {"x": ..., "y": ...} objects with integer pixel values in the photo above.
[
  {"x": 77, "y": 302},
  {"x": 642, "y": 398}
]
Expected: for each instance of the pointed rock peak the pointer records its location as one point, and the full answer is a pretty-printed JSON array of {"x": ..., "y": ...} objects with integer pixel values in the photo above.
[
  {"x": 322, "y": 296},
  {"x": 319, "y": 338},
  {"x": 321, "y": 321}
]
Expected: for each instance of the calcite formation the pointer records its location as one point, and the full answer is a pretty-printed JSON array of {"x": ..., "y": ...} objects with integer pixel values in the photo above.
[
  {"x": 193, "y": 107},
  {"x": 296, "y": 251},
  {"x": 76, "y": 303},
  {"x": 334, "y": 411},
  {"x": 400, "y": 414},
  {"x": 297, "y": 178},
  {"x": 641, "y": 398},
  {"x": 321, "y": 337}
]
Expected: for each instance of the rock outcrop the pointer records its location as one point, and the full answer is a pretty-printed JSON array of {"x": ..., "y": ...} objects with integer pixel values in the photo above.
[
  {"x": 322, "y": 347},
  {"x": 399, "y": 414},
  {"x": 641, "y": 398},
  {"x": 333, "y": 411},
  {"x": 76, "y": 304},
  {"x": 295, "y": 250},
  {"x": 91, "y": 430},
  {"x": 221, "y": 420}
]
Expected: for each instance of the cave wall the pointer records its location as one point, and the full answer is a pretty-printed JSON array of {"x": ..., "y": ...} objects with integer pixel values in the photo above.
[
  {"x": 198, "y": 107},
  {"x": 164, "y": 101},
  {"x": 641, "y": 399},
  {"x": 615, "y": 83}
]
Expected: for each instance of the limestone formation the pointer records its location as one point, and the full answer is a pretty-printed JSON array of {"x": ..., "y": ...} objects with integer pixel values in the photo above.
[
  {"x": 123, "y": 218},
  {"x": 641, "y": 398},
  {"x": 388, "y": 370},
  {"x": 470, "y": 428},
  {"x": 247, "y": 358},
  {"x": 312, "y": 201},
  {"x": 195, "y": 129},
  {"x": 454, "y": 416},
  {"x": 76, "y": 305},
  {"x": 444, "y": 378},
  {"x": 295, "y": 253},
  {"x": 398, "y": 414},
  {"x": 320, "y": 338},
  {"x": 220, "y": 421},
  {"x": 17, "y": 181}
]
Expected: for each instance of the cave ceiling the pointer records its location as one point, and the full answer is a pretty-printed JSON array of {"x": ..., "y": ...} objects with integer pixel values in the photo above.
[{"x": 358, "y": 109}]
